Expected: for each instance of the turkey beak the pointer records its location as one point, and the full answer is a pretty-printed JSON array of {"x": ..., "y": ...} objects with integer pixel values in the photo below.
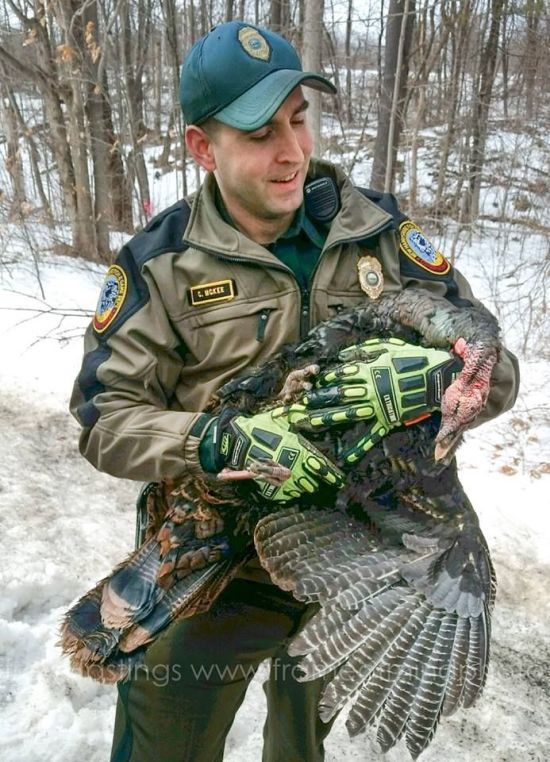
[{"x": 445, "y": 447}]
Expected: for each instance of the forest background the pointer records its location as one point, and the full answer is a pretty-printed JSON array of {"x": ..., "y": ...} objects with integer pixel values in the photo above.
[{"x": 90, "y": 101}]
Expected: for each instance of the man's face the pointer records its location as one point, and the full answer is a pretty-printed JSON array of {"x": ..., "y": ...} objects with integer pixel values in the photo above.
[{"x": 261, "y": 174}]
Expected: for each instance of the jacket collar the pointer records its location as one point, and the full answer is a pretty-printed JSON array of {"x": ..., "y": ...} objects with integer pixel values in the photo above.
[{"x": 358, "y": 219}]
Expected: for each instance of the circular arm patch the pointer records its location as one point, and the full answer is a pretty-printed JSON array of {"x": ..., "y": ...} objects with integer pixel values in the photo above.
[
  {"x": 420, "y": 250},
  {"x": 111, "y": 298}
]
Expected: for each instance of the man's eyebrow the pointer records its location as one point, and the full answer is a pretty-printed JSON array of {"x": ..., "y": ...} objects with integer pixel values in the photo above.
[
  {"x": 302, "y": 107},
  {"x": 298, "y": 110}
]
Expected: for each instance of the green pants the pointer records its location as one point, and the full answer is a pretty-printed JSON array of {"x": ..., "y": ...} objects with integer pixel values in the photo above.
[{"x": 179, "y": 706}]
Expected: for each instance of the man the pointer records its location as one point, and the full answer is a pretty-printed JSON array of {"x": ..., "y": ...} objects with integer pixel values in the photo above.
[{"x": 270, "y": 245}]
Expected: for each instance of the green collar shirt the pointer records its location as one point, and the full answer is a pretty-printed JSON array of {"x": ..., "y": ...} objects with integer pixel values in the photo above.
[{"x": 299, "y": 247}]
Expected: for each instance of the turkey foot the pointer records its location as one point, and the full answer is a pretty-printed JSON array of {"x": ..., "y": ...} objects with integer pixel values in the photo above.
[
  {"x": 265, "y": 471},
  {"x": 466, "y": 396},
  {"x": 297, "y": 382}
]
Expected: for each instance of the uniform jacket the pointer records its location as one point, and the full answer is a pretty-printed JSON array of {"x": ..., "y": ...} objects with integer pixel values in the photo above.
[{"x": 191, "y": 301}]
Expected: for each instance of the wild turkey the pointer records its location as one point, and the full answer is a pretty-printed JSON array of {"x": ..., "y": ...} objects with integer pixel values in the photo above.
[{"x": 395, "y": 557}]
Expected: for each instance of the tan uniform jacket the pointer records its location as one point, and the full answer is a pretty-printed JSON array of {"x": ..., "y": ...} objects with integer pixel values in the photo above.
[{"x": 187, "y": 308}]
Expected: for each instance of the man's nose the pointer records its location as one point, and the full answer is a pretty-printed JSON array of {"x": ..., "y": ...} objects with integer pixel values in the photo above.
[{"x": 289, "y": 149}]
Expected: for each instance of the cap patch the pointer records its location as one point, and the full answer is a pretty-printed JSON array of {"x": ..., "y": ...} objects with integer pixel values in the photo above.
[
  {"x": 111, "y": 298},
  {"x": 254, "y": 43},
  {"x": 211, "y": 293},
  {"x": 420, "y": 250}
]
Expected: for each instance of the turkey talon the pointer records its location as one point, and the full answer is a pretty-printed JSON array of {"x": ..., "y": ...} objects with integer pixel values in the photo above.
[
  {"x": 297, "y": 382},
  {"x": 265, "y": 471}
]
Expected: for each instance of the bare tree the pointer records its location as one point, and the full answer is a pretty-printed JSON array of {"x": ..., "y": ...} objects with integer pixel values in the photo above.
[
  {"x": 533, "y": 52},
  {"x": 132, "y": 44},
  {"x": 40, "y": 68},
  {"x": 311, "y": 57},
  {"x": 90, "y": 90},
  {"x": 349, "y": 95},
  {"x": 458, "y": 21},
  {"x": 14, "y": 163},
  {"x": 481, "y": 114},
  {"x": 279, "y": 15},
  {"x": 392, "y": 95}
]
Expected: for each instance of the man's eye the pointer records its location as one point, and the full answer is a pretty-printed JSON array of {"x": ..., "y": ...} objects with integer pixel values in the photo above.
[{"x": 260, "y": 135}]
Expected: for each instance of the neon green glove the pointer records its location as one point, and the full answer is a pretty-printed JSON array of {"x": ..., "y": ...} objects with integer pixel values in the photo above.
[
  {"x": 265, "y": 439},
  {"x": 386, "y": 382}
]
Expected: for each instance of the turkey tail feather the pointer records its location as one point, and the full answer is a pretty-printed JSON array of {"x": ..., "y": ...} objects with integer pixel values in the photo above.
[
  {"x": 108, "y": 654},
  {"x": 372, "y": 696},
  {"x": 402, "y": 695}
]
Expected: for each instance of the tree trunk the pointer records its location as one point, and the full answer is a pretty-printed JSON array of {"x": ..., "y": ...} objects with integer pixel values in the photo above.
[
  {"x": 112, "y": 204},
  {"x": 276, "y": 15},
  {"x": 481, "y": 116},
  {"x": 534, "y": 10},
  {"x": 14, "y": 164},
  {"x": 158, "y": 70},
  {"x": 311, "y": 60},
  {"x": 349, "y": 95},
  {"x": 175, "y": 56},
  {"x": 394, "y": 85},
  {"x": 133, "y": 76},
  {"x": 43, "y": 72},
  {"x": 34, "y": 156}
]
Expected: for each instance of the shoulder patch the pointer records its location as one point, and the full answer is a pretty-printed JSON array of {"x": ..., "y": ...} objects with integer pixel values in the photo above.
[
  {"x": 111, "y": 298},
  {"x": 420, "y": 250}
]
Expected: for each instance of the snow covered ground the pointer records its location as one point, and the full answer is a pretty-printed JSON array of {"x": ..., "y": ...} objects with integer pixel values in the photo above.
[{"x": 63, "y": 526}]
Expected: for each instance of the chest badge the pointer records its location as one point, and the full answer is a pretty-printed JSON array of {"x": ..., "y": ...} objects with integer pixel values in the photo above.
[
  {"x": 371, "y": 278},
  {"x": 212, "y": 293}
]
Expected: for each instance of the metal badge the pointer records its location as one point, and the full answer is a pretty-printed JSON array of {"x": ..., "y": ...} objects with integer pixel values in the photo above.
[
  {"x": 254, "y": 43},
  {"x": 371, "y": 278}
]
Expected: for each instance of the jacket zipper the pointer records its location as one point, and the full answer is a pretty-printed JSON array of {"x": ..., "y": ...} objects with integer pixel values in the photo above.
[{"x": 304, "y": 314}]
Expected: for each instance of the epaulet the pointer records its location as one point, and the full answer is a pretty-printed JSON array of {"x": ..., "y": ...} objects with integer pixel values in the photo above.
[
  {"x": 387, "y": 202},
  {"x": 163, "y": 233}
]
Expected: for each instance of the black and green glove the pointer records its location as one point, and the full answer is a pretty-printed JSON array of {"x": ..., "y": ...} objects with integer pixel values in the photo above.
[
  {"x": 239, "y": 442},
  {"x": 387, "y": 382}
]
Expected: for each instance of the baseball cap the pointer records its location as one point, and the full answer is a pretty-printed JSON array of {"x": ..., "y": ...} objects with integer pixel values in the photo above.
[{"x": 241, "y": 74}]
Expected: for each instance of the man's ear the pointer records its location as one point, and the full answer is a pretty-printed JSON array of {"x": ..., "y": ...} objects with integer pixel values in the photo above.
[{"x": 200, "y": 147}]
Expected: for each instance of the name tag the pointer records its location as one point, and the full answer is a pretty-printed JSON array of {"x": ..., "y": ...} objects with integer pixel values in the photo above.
[{"x": 209, "y": 293}]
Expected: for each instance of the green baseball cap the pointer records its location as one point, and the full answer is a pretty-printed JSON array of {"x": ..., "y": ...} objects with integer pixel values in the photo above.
[{"x": 241, "y": 74}]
